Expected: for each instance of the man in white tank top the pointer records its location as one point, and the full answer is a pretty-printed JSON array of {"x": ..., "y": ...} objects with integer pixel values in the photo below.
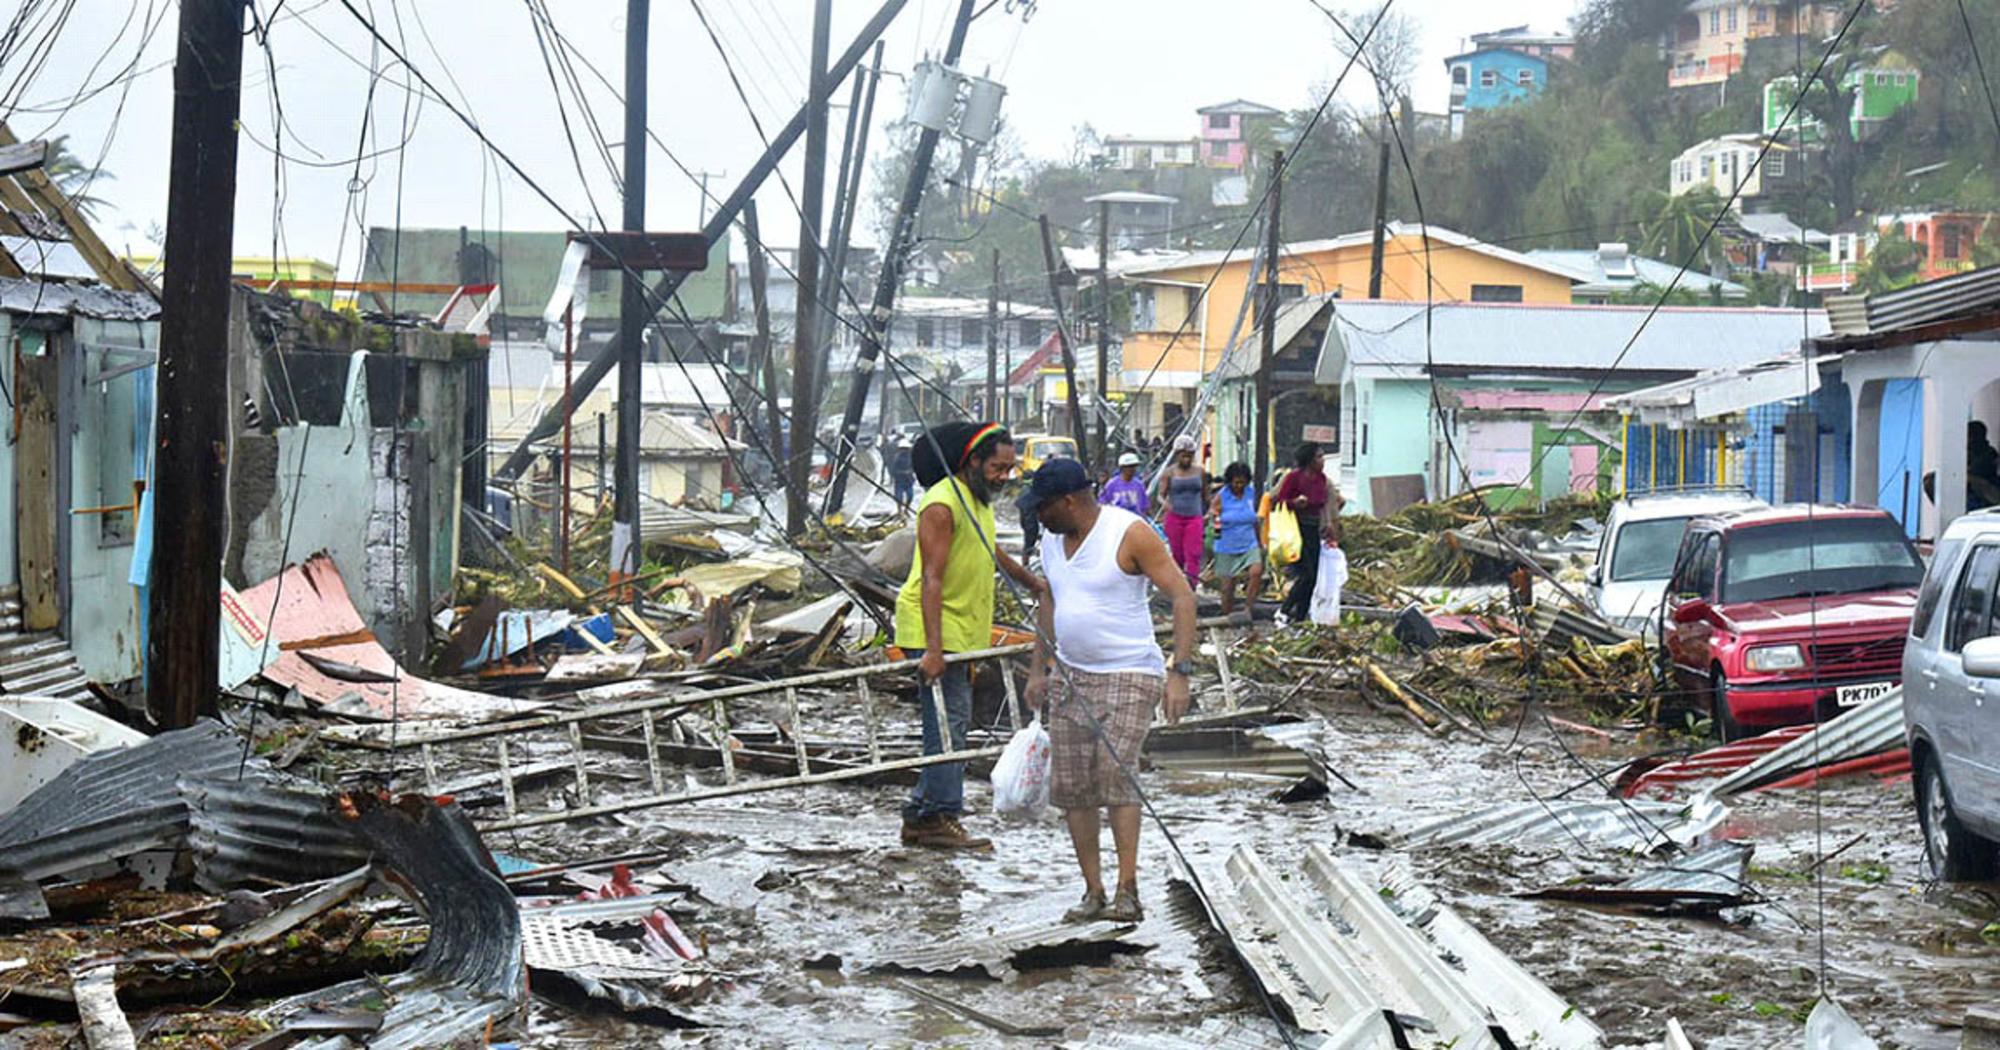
[{"x": 1098, "y": 560}]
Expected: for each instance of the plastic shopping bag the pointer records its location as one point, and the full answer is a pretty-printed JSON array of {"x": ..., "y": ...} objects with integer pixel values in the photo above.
[
  {"x": 1285, "y": 542},
  {"x": 1332, "y": 577},
  {"x": 1021, "y": 777}
]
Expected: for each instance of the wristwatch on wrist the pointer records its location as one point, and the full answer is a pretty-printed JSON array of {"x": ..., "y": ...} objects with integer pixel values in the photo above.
[{"x": 1184, "y": 668}]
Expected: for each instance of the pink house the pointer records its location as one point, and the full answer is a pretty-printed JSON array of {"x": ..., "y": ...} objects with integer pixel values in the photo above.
[{"x": 1225, "y": 132}]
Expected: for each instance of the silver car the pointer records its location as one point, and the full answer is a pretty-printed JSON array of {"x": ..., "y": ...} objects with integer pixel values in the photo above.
[
  {"x": 1951, "y": 668},
  {"x": 1636, "y": 554}
]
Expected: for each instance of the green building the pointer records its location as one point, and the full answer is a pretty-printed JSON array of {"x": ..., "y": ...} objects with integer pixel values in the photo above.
[
  {"x": 524, "y": 263},
  {"x": 1878, "y": 95}
]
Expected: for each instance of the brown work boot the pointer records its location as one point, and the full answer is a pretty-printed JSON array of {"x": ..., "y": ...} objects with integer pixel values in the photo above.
[
  {"x": 1124, "y": 906},
  {"x": 948, "y": 833},
  {"x": 914, "y": 829}
]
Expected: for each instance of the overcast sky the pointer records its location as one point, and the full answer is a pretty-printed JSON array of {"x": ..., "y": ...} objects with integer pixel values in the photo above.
[{"x": 1123, "y": 66}]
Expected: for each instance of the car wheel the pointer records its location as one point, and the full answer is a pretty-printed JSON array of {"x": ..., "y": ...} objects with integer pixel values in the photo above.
[
  {"x": 1727, "y": 729},
  {"x": 1952, "y": 853}
]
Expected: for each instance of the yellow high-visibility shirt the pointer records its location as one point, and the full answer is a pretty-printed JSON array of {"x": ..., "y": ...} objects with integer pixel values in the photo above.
[{"x": 969, "y": 575}]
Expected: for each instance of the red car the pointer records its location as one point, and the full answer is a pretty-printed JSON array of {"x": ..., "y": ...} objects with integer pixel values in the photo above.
[{"x": 1778, "y": 614}]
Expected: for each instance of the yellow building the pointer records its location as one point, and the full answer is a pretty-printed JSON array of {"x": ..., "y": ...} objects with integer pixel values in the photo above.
[
  {"x": 260, "y": 271},
  {"x": 1179, "y": 333}
]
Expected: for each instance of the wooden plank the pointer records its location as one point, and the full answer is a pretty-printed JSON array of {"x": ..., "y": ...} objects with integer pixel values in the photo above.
[
  {"x": 110, "y": 268},
  {"x": 35, "y": 493},
  {"x": 23, "y": 155}
]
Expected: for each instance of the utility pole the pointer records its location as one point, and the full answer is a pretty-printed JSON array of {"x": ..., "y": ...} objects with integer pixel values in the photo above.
[
  {"x": 717, "y": 227},
  {"x": 632, "y": 312},
  {"x": 702, "y": 206},
  {"x": 1269, "y": 344},
  {"x": 847, "y": 199},
  {"x": 191, "y": 440},
  {"x": 895, "y": 255},
  {"x": 812, "y": 259},
  {"x": 1062, "y": 330},
  {"x": 1381, "y": 203},
  {"x": 761, "y": 356},
  {"x": 993, "y": 343},
  {"x": 1103, "y": 392}
]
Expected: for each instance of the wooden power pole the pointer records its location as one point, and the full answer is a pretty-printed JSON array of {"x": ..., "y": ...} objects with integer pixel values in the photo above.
[
  {"x": 811, "y": 262},
  {"x": 1268, "y": 345},
  {"x": 632, "y": 312},
  {"x": 184, "y": 607},
  {"x": 1381, "y": 205},
  {"x": 762, "y": 358},
  {"x": 1103, "y": 392},
  {"x": 993, "y": 409},
  {"x": 1062, "y": 331},
  {"x": 895, "y": 257}
]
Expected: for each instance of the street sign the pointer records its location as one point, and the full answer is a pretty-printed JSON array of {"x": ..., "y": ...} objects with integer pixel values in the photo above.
[
  {"x": 1325, "y": 435},
  {"x": 645, "y": 251}
]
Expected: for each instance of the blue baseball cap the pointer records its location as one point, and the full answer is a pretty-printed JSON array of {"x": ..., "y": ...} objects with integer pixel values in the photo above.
[{"x": 1056, "y": 479}]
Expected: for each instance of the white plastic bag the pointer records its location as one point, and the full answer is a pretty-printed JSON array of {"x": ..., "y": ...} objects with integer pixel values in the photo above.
[
  {"x": 1332, "y": 577},
  {"x": 1021, "y": 777}
]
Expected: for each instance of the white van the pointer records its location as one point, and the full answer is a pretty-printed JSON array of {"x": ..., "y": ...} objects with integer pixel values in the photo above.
[{"x": 1635, "y": 556}]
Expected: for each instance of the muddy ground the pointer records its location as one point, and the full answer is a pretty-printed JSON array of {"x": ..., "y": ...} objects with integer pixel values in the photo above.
[{"x": 783, "y": 879}]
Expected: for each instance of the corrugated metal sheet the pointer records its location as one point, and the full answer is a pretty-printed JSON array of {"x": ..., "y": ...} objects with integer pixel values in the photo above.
[
  {"x": 1940, "y": 300},
  {"x": 1706, "y": 880},
  {"x": 996, "y": 952},
  {"x": 82, "y": 300},
  {"x": 264, "y": 828},
  {"x": 1511, "y": 995},
  {"x": 1344, "y": 962},
  {"x": 1216, "y": 1033},
  {"x": 114, "y": 803},
  {"x": 1870, "y": 727},
  {"x": 38, "y": 663},
  {"x": 1641, "y": 825},
  {"x": 1376, "y": 334}
]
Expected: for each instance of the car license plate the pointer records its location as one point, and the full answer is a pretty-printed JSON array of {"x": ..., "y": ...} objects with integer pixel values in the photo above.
[{"x": 1850, "y": 695}]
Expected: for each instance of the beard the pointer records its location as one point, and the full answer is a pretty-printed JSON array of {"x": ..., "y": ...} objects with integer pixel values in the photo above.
[{"x": 981, "y": 489}]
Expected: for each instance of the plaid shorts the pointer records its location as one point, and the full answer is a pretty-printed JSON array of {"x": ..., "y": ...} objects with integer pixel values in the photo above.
[{"x": 1082, "y": 774}]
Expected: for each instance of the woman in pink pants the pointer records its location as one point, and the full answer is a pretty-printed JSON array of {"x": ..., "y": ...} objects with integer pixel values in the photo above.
[{"x": 1184, "y": 493}]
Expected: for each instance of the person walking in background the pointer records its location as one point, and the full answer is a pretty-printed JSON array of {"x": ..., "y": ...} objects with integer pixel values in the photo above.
[
  {"x": 1184, "y": 492},
  {"x": 1099, "y": 560},
  {"x": 1239, "y": 555},
  {"x": 902, "y": 475},
  {"x": 946, "y": 606},
  {"x": 1125, "y": 490},
  {"x": 1314, "y": 500}
]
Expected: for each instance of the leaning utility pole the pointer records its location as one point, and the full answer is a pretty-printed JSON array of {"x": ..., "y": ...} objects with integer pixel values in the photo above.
[
  {"x": 632, "y": 313},
  {"x": 895, "y": 255},
  {"x": 812, "y": 258},
  {"x": 1381, "y": 204},
  {"x": 1062, "y": 330},
  {"x": 993, "y": 343},
  {"x": 714, "y": 230},
  {"x": 762, "y": 359},
  {"x": 1261, "y": 459},
  {"x": 184, "y": 607}
]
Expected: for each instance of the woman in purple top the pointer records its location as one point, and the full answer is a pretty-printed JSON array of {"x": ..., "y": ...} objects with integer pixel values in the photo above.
[{"x": 1125, "y": 489}]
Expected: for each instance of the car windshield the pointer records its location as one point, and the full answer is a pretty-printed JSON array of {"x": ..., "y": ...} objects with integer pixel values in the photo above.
[
  {"x": 1057, "y": 448},
  {"x": 1800, "y": 559},
  {"x": 1645, "y": 549}
]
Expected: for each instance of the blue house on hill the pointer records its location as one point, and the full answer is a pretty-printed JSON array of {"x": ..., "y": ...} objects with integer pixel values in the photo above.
[{"x": 1503, "y": 67}]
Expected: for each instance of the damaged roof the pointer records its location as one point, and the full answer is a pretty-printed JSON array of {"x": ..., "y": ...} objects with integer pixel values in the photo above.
[{"x": 44, "y": 236}]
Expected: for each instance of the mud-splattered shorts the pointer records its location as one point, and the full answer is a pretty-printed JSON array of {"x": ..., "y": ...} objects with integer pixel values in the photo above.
[{"x": 1082, "y": 774}]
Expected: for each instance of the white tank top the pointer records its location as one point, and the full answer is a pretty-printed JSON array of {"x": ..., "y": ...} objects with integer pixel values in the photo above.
[{"x": 1103, "y": 624}]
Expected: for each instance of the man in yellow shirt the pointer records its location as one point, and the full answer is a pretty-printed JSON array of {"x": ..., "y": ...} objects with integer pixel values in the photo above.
[{"x": 946, "y": 606}]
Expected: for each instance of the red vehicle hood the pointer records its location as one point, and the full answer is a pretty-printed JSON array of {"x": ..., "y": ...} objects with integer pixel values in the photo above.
[{"x": 1886, "y": 609}]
